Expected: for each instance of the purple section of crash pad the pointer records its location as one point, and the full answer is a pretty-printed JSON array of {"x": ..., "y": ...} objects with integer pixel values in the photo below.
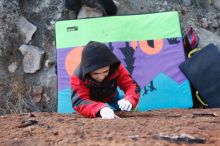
[
  {"x": 118, "y": 52},
  {"x": 167, "y": 62},
  {"x": 63, "y": 77}
]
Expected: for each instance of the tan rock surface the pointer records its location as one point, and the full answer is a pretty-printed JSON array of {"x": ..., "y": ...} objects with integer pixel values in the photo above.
[{"x": 162, "y": 127}]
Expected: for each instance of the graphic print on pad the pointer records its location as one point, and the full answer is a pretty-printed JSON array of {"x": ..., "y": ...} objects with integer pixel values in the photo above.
[{"x": 152, "y": 63}]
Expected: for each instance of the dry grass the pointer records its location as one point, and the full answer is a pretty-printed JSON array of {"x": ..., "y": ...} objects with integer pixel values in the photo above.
[{"x": 12, "y": 96}]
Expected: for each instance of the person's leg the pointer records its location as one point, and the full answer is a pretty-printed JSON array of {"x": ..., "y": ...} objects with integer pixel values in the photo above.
[
  {"x": 109, "y": 6},
  {"x": 114, "y": 102},
  {"x": 72, "y": 9},
  {"x": 73, "y": 5}
]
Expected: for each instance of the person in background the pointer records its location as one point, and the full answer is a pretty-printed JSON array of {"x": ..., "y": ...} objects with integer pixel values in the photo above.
[
  {"x": 107, "y": 7},
  {"x": 95, "y": 81}
]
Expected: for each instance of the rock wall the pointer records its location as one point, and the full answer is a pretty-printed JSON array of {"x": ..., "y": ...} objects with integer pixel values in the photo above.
[{"x": 28, "y": 55}]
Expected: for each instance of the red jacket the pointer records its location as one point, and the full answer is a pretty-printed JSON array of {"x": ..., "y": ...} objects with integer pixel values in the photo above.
[{"x": 84, "y": 91}]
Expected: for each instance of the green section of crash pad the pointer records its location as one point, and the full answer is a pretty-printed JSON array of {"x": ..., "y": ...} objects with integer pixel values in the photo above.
[{"x": 79, "y": 32}]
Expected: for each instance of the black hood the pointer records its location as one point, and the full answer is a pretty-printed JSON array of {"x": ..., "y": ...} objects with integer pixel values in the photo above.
[{"x": 96, "y": 55}]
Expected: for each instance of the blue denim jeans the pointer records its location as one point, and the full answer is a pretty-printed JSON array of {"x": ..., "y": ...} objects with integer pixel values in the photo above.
[{"x": 113, "y": 104}]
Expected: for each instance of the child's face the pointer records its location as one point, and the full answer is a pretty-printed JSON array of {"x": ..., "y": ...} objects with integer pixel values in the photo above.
[{"x": 100, "y": 74}]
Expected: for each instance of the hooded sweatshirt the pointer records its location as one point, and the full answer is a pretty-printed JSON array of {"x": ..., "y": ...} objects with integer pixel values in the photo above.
[{"x": 89, "y": 96}]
